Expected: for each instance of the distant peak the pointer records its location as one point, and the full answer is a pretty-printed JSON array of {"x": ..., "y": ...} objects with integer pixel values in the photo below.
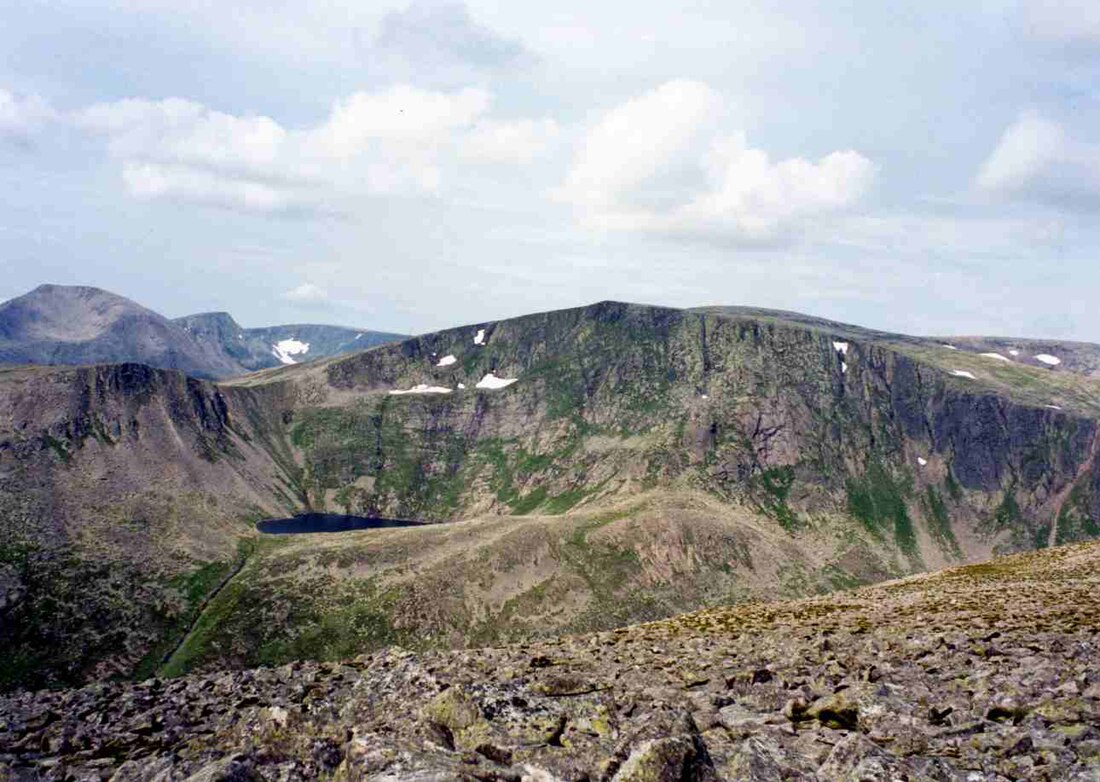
[{"x": 53, "y": 288}]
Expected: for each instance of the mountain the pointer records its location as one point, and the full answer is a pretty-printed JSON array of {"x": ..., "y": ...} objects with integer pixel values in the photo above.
[
  {"x": 58, "y": 324},
  {"x": 608, "y": 464},
  {"x": 273, "y": 346},
  {"x": 980, "y": 672}
]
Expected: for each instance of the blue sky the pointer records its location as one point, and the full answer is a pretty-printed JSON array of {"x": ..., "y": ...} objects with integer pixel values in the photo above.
[{"x": 414, "y": 166}]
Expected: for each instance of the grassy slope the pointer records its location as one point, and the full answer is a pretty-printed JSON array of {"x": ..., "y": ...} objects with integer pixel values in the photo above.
[
  {"x": 602, "y": 422},
  {"x": 610, "y": 403},
  {"x": 494, "y": 580},
  {"x": 1023, "y": 384}
]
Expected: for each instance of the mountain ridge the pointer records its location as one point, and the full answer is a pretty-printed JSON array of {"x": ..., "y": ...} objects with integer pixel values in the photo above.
[
  {"x": 74, "y": 325},
  {"x": 766, "y": 457}
]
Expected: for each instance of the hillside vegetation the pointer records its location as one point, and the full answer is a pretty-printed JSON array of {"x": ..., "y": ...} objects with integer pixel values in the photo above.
[
  {"x": 980, "y": 672},
  {"x": 621, "y": 463}
]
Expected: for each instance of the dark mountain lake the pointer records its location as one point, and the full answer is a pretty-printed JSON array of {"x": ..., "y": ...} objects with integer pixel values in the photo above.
[{"x": 327, "y": 522}]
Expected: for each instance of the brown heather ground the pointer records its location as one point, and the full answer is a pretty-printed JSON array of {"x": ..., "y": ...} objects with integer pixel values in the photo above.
[{"x": 984, "y": 672}]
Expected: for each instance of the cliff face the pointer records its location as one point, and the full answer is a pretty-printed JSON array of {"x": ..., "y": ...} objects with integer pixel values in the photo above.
[
  {"x": 807, "y": 457},
  {"x": 798, "y": 422},
  {"x": 123, "y": 491}
]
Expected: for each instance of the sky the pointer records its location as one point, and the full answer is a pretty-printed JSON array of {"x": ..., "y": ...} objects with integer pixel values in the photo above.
[{"x": 413, "y": 166}]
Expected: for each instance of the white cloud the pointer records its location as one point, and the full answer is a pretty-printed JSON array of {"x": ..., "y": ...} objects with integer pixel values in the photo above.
[
  {"x": 635, "y": 141},
  {"x": 21, "y": 115},
  {"x": 181, "y": 183},
  {"x": 402, "y": 115},
  {"x": 307, "y": 293},
  {"x": 1063, "y": 21},
  {"x": 756, "y": 198},
  {"x": 662, "y": 162},
  {"x": 398, "y": 140},
  {"x": 519, "y": 141},
  {"x": 1036, "y": 160},
  {"x": 184, "y": 132}
]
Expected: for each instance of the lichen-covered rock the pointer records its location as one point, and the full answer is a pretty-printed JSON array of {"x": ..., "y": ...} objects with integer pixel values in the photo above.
[
  {"x": 836, "y": 711},
  {"x": 939, "y": 706}
]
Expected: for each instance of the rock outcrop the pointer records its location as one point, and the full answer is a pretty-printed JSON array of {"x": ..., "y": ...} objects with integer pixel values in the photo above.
[{"x": 983, "y": 672}]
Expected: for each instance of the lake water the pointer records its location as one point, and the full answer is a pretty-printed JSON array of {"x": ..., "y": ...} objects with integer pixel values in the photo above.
[{"x": 327, "y": 522}]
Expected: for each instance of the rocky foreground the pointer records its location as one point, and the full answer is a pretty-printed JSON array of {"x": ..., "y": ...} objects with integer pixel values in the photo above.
[{"x": 987, "y": 672}]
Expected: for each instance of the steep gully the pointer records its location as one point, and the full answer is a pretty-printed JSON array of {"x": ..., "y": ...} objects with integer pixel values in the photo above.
[
  {"x": 1063, "y": 494},
  {"x": 238, "y": 566}
]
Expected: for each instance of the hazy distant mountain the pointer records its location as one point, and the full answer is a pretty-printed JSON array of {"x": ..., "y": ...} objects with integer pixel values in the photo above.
[
  {"x": 272, "y": 346},
  {"x": 61, "y": 324}
]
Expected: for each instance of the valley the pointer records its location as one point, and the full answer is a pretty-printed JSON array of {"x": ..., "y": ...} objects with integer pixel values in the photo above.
[{"x": 584, "y": 469}]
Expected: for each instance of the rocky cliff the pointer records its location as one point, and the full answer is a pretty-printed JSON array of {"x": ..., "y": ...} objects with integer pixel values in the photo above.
[
  {"x": 794, "y": 421},
  {"x": 124, "y": 491},
  {"x": 657, "y": 460}
]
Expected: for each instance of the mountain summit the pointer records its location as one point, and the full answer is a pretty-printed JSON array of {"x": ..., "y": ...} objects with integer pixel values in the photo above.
[{"x": 61, "y": 324}]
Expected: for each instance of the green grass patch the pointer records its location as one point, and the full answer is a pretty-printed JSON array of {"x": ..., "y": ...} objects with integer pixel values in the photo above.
[
  {"x": 776, "y": 483},
  {"x": 1075, "y": 520},
  {"x": 877, "y": 500},
  {"x": 521, "y": 506},
  {"x": 939, "y": 522}
]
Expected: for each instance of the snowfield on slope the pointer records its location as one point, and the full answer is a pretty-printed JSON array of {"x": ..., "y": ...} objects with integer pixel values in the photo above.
[
  {"x": 422, "y": 388},
  {"x": 491, "y": 381},
  {"x": 286, "y": 349}
]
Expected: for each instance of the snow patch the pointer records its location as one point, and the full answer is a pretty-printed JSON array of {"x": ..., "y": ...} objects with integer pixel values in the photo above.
[
  {"x": 359, "y": 335},
  {"x": 1053, "y": 407},
  {"x": 950, "y": 347},
  {"x": 997, "y": 356},
  {"x": 1049, "y": 360},
  {"x": 844, "y": 367},
  {"x": 921, "y": 461},
  {"x": 422, "y": 388},
  {"x": 963, "y": 373},
  {"x": 461, "y": 386},
  {"x": 703, "y": 396},
  {"x": 1013, "y": 352},
  {"x": 286, "y": 349},
  {"x": 479, "y": 338},
  {"x": 446, "y": 361},
  {"x": 841, "y": 347},
  {"x": 492, "y": 381}
]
